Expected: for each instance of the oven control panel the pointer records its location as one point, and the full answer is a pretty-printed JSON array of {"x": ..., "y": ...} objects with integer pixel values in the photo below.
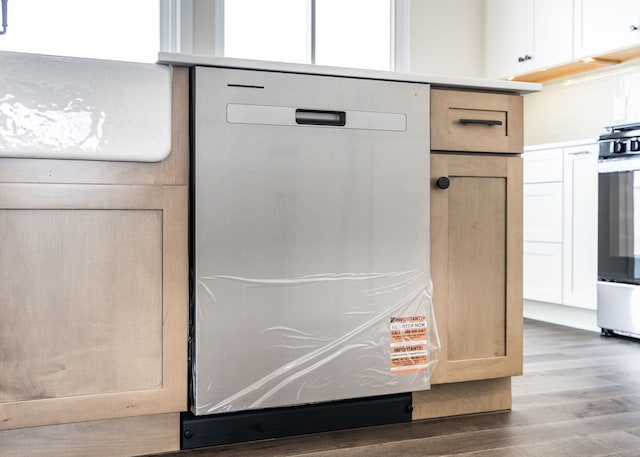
[{"x": 620, "y": 139}]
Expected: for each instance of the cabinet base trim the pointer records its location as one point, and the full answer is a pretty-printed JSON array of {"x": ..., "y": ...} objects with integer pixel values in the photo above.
[
  {"x": 105, "y": 438},
  {"x": 567, "y": 316},
  {"x": 444, "y": 400}
]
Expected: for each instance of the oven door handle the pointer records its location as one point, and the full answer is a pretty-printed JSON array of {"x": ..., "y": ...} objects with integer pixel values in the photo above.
[{"x": 619, "y": 165}]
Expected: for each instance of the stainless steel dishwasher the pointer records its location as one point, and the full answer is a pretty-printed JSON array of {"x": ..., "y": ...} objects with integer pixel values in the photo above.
[{"x": 310, "y": 272}]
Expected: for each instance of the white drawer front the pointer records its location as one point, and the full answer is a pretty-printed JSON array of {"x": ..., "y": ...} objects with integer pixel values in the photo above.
[{"x": 543, "y": 166}]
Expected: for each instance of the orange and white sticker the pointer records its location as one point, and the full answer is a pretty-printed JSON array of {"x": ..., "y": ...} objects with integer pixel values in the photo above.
[{"x": 409, "y": 351}]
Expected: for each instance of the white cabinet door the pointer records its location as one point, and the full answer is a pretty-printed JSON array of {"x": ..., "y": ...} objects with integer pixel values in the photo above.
[
  {"x": 542, "y": 276},
  {"x": 560, "y": 225},
  {"x": 523, "y": 36},
  {"x": 543, "y": 212},
  {"x": 543, "y": 200},
  {"x": 581, "y": 227},
  {"x": 507, "y": 38},
  {"x": 605, "y": 26},
  {"x": 552, "y": 33}
]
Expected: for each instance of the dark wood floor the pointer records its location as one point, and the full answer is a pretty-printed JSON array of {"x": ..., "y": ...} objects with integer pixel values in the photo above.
[{"x": 579, "y": 397}]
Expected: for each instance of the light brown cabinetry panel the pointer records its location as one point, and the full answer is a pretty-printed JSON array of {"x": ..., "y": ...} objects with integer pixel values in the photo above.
[
  {"x": 476, "y": 122},
  {"x": 93, "y": 285},
  {"x": 460, "y": 398},
  {"x": 106, "y": 438},
  {"x": 80, "y": 291},
  {"x": 476, "y": 258},
  {"x": 478, "y": 307}
]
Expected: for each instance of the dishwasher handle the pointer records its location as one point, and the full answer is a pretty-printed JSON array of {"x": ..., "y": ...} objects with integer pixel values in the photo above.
[{"x": 321, "y": 117}]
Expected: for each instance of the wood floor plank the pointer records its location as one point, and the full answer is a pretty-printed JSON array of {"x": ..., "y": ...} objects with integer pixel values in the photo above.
[
  {"x": 579, "y": 397},
  {"x": 585, "y": 446}
]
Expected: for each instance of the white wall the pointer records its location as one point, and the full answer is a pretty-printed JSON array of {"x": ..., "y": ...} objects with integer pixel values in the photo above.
[
  {"x": 204, "y": 35},
  {"x": 581, "y": 106},
  {"x": 447, "y": 37}
]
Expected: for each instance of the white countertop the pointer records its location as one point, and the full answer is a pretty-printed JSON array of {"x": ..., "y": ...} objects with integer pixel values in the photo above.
[
  {"x": 168, "y": 58},
  {"x": 560, "y": 144}
]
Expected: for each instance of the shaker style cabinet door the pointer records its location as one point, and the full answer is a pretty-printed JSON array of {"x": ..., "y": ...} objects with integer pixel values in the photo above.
[
  {"x": 602, "y": 27},
  {"x": 93, "y": 310},
  {"x": 524, "y": 36},
  {"x": 476, "y": 227},
  {"x": 508, "y": 38}
]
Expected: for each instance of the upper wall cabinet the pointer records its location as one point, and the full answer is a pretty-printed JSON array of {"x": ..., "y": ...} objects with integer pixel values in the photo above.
[
  {"x": 542, "y": 40},
  {"x": 602, "y": 27},
  {"x": 526, "y": 35},
  {"x": 507, "y": 40}
]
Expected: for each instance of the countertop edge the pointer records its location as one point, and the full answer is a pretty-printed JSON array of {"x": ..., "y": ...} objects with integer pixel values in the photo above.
[
  {"x": 522, "y": 88},
  {"x": 561, "y": 144}
]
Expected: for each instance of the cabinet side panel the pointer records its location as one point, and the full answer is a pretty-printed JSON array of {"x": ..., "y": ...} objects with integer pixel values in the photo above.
[{"x": 477, "y": 265}]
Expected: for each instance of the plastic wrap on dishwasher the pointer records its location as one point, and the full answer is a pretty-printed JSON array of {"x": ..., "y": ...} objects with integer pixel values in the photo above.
[{"x": 384, "y": 339}]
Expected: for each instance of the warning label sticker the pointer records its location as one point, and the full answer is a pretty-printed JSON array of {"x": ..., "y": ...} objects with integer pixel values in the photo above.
[{"x": 409, "y": 351}]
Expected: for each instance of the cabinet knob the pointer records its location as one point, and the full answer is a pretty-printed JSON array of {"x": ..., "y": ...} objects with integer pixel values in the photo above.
[
  {"x": 443, "y": 182},
  {"x": 633, "y": 27}
]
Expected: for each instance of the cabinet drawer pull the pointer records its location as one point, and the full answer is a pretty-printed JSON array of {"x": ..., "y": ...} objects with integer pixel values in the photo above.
[{"x": 487, "y": 122}]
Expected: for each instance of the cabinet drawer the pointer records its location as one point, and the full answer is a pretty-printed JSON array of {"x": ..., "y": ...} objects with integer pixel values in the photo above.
[
  {"x": 476, "y": 122},
  {"x": 543, "y": 272},
  {"x": 543, "y": 165}
]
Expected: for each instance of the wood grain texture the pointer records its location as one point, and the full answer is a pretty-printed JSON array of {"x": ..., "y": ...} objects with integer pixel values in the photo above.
[
  {"x": 108, "y": 438},
  {"x": 582, "y": 66},
  {"x": 579, "y": 396},
  {"x": 456, "y": 399},
  {"x": 477, "y": 267},
  {"x": 80, "y": 291},
  {"x": 103, "y": 333},
  {"x": 448, "y": 134}
]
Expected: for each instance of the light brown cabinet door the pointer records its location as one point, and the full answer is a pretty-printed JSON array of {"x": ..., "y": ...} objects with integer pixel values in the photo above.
[
  {"x": 476, "y": 262},
  {"x": 93, "y": 302}
]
